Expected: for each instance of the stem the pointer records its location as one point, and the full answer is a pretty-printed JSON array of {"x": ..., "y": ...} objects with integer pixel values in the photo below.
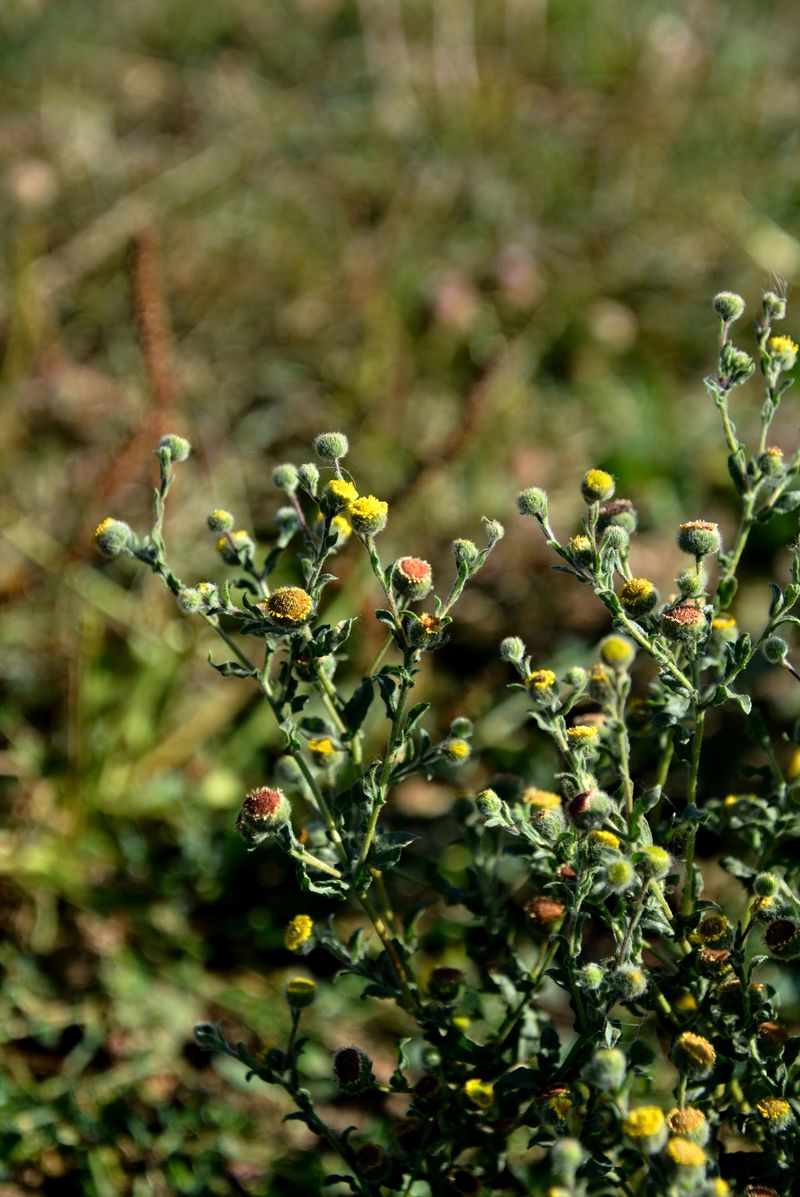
[
  {"x": 409, "y": 1004},
  {"x": 636, "y": 634},
  {"x": 315, "y": 862},
  {"x": 745, "y": 525},
  {"x": 687, "y": 903}
]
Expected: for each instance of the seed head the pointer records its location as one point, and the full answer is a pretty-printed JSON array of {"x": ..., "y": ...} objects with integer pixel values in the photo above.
[
  {"x": 265, "y": 811},
  {"x": 353, "y": 1070},
  {"x": 113, "y": 537},
  {"x": 331, "y": 446},
  {"x": 782, "y": 938},
  {"x": 412, "y": 577},
  {"x": 700, "y": 538},
  {"x": 545, "y": 910},
  {"x": 445, "y": 983},
  {"x": 684, "y": 622}
]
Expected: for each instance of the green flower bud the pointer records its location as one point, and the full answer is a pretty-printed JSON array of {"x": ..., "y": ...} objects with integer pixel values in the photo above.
[
  {"x": 189, "y": 600},
  {"x": 489, "y": 804},
  {"x": 176, "y": 448},
  {"x": 619, "y": 513},
  {"x": 774, "y": 306},
  {"x": 353, "y": 1070},
  {"x": 775, "y": 649},
  {"x": 607, "y": 1068},
  {"x": 597, "y": 486},
  {"x": 576, "y": 677},
  {"x": 652, "y": 863},
  {"x": 628, "y": 982},
  {"x": 533, "y": 501},
  {"x": 512, "y": 650},
  {"x": 735, "y": 364},
  {"x": 412, "y": 578},
  {"x": 766, "y": 885},
  {"x": 691, "y": 583},
  {"x": 113, "y": 537},
  {"x": 619, "y": 875},
  {"x": 461, "y": 726},
  {"x": 729, "y": 306},
  {"x": 285, "y": 477},
  {"x": 699, "y": 537},
  {"x": 566, "y": 1157},
  {"x": 220, "y": 520},
  {"x": 615, "y": 540},
  {"x": 770, "y": 462},
  {"x": 331, "y": 446},
  {"x": 445, "y": 983},
  {"x": 308, "y": 477},
  {"x": 300, "y": 992},
  {"x": 591, "y": 977},
  {"x": 264, "y": 813},
  {"x": 590, "y": 809},
  {"x": 494, "y": 530},
  {"x": 209, "y": 594},
  {"x": 465, "y": 552}
]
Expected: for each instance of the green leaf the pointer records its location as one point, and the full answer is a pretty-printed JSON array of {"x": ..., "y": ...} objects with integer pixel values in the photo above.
[
  {"x": 355, "y": 709},
  {"x": 388, "y": 848},
  {"x": 230, "y": 668},
  {"x": 414, "y": 715}
]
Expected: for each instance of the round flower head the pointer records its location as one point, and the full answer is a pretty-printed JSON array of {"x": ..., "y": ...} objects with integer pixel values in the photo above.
[
  {"x": 760, "y": 1191},
  {"x": 646, "y": 1129},
  {"x": 265, "y": 811},
  {"x": 603, "y": 842},
  {"x": 619, "y": 513},
  {"x": 591, "y": 976},
  {"x": 725, "y": 627},
  {"x": 771, "y": 461},
  {"x": 371, "y": 1161},
  {"x": 533, "y": 501},
  {"x": 684, "y": 622},
  {"x": 489, "y": 804},
  {"x": 456, "y": 751},
  {"x": 714, "y": 961},
  {"x": 189, "y": 600},
  {"x": 331, "y": 446},
  {"x": 775, "y": 649},
  {"x": 541, "y": 799},
  {"x": 479, "y": 1093},
  {"x": 220, "y": 520},
  {"x": 577, "y": 677},
  {"x": 688, "y": 1123},
  {"x": 494, "y": 530},
  {"x": 445, "y": 983},
  {"x": 774, "y": 305},
  {"x": 638, "y": 596},
  {"x": 766, "y": 885},
  {"x": 367, "y": 515},
  {"x": 783, "y": 351},
  {"x": 590, "y": 809},
  {"x": 617, "y": 651},
  {"x": 691, "y": 582},
  {"x": 545, "y": 910},
  {"x": 581, "y": 549},
  {"x": 607, "y": 1067},
  {"x": 771, "y": 1037},
  {"x": 615, "y": 540},
  {"x": 300, "y": 992},
  {"x": 298, "y": 931},
  {"x": 782, "y": 938},
  {"x": 685, "y": 1155},
  {"x": 700, "y": 538},
  {"x": 652, "y": 862},
  {"x": 775, "y": 1113},
  {"x": 412, "y": 578},
  {"x": 288, "y": 606},
  {"x": 342, "y": 527},
  {"x": 627, "y": 983},
  {"x": 714, "y": 930},
  {"x": 285, "y": 477},
  {"x": 353, "y": 1070},
  {"x": 113, "y": 537},
  {"x": 232, "y": 546},
  {"x": 694, "y": 1055},
  {"x": 597, "y": 486},
  {"x": 541, "y": 682},
  {"x": 619, "y": 876},
  {"x": 339, "y": 493},
  {"x": 176, "y": 448},
  {"x": 729, "y": 306},
  {"x": 582, "y": 735},
  {"x": 322, "y": 748},
  {"x": 426, "y": 631},
  {"x": 599, "y": 683}
]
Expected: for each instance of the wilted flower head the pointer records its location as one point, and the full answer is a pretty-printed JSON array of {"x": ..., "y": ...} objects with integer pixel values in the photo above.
[{"x": 265, "y": 811}]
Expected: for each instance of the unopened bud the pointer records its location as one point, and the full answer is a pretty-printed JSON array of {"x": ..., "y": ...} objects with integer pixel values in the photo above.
[
  {"x": 729, "y": 306},
  {"x": 177, "y": 448},
  {"x": 285, "y": 477},
  {"x": 308, "y": 477},
  {"x": 331, "y": 446},
  {"x": 533, "y": 501}
]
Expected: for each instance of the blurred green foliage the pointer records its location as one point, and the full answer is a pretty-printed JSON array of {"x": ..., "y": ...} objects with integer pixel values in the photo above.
[{"x": 480, "y": 237}]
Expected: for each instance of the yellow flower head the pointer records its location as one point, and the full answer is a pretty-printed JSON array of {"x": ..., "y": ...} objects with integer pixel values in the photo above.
[
  {"x": 793, "y": 766},
  {"x": 782, "y": 346},
  {"x": 288, "y": 605},
  {"x": 367, "y": 514},
  {"x": 560, "y": 1105},
  {"x": 581, "y": 734},
  {"x": 597, "y": 486},
  {"x": 617, "y": 651},
  {"x": 479, "y": 1093},
  {"x": 773, "y": 1109},
  {"x": 340, "y": 524},
  {"x": 460, "y": 1022},
  {"x": 712, "y": 929},
  {"x": 686, "y": 1003},
  {"x": 541, "y": 799},
  {"x": 231, "y": 544},
  {"x": 687, "y": 1122},
  {"x": 638, "y": 596},
  {"x": 540, "y": 680},
  {"x": 298, "y": 931},
  {"x": 581, "y": 547},
  {"x": 719, "y": 1188},
  {"x": 605, "y": 839},
  {"x": 686, "y": 1154},
  {"x": 457, "y": 750},
  {"x": 723, "y": 623},
  {"x": 342, "y": 492},
  {"x": 694, "y": 1054},
  {"x": 300, "y": 986},
  {"x": 644, "y": 1122},
  {"x": 103, "y": 526},
  {"x": 323, "y": 747}
]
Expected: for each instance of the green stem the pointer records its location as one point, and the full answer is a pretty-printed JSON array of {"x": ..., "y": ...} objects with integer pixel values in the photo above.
[
  {"x": 687, "y": 904},
  {"x": 315, "y": 862}
]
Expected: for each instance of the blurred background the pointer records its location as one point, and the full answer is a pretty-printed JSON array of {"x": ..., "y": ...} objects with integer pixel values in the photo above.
[{"x": 480, "y": 238}]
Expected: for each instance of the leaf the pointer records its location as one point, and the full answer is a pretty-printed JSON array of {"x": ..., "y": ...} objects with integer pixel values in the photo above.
[
  {"x": 230, "y": 668},
  {"x": 724, "y": 694},
  {"x": 726, "y": 591},
  {"x": 414, "y": 715},
  {"x": 355, "y": 709},
  {"x": 388, "y": 848}
]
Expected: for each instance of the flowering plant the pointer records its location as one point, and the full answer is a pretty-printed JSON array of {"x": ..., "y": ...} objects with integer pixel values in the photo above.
[{"x": 671, "y": 1072}]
